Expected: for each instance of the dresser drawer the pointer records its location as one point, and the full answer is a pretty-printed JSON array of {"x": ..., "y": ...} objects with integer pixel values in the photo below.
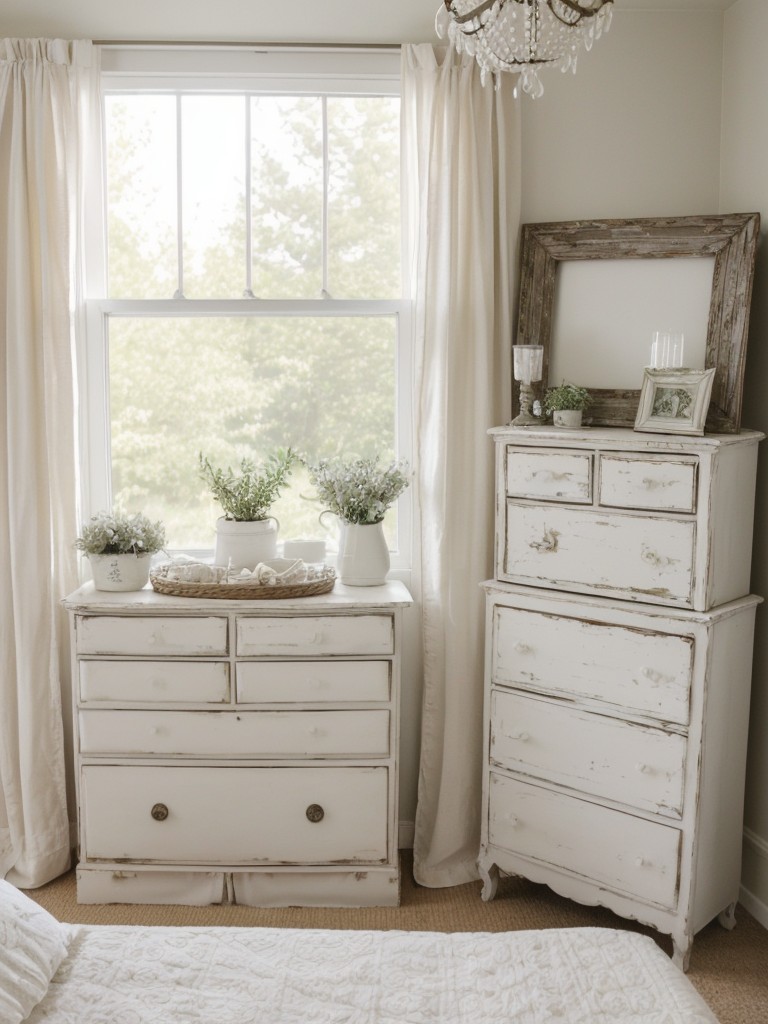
[
  {"x": 312, "y": 681},
  {"x": 161, "y": 682},
  {"x": 648, "y": 482},
  {"x": 549, "y": 475},
  {"x": 248, "y": 734},
  {"x": 633, "y": 671},
  {"x": 234, "y": 815},
  {"x": 596, "y": 755},
  {"x": 604, "y": 553},
  {"x": 151, "y": 635},
  {"x": 315, "y": 634},
  {"x": 618, "y": 851}
]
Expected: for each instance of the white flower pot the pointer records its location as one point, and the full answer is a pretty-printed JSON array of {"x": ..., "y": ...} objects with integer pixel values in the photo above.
[
  {"x": 363, "y": 555},
  {"x": 120, "y": 572},
  {"x": 568, "y": 418},
  {"x": 244, "y": 545}
]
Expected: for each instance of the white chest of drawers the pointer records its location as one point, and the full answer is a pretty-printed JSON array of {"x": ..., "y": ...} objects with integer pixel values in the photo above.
[
  {"x": 619, "y": 650},
  {"x": 238, "y": 751}
]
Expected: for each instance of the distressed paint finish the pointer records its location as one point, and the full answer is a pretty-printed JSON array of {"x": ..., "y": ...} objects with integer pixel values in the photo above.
[
  {"x": 233, "y": 750},
  {"x": 625, "y": 853},
  {"x": 657, "y": 483},
  {"x": 638, "y": 671},
  {"x": 225, "y": 815},
  {"x": 731, "y": 239},
  {"x": 594, "y": 754},
  {"x": 662, "y": 525},
  {"x": 326, "y": 733},
  {"x": 619, "y": 555},
  {"x": 160, "y": 682},
  {"x": 619, "y": 638},
  {"x": 549, "y": 476}
]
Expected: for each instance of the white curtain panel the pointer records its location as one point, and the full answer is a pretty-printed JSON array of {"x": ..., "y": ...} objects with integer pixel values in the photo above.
[
  {"x": 42, "y": 89},
  {"x": 461, "y": 143}
]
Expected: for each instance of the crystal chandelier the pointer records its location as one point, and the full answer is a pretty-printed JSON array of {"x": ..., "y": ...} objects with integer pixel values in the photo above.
[{"x": 523, "y": 36}]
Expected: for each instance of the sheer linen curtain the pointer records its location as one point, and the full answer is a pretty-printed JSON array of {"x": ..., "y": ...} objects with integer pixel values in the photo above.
[
  {"x": 43, "y": 90},
  {"x": 461, "y": 143}
]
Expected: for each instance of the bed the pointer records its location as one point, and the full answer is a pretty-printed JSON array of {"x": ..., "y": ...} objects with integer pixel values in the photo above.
[{"x": 100, "y": 974}]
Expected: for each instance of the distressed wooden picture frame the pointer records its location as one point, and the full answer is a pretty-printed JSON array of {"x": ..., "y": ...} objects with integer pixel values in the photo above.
[
  {"x": 731, "y": 239},
  {"x": 674, "y": 401}
]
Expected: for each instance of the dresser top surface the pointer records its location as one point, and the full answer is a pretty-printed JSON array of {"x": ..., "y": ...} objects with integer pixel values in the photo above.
[
  {"x": 393, "y": 594},
  {"x": 620, "y": 437}
]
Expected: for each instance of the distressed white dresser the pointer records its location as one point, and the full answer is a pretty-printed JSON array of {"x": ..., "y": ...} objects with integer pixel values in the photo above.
[
  {"x": 618, "y": 670},
  {"x": 242, "y": 751}
]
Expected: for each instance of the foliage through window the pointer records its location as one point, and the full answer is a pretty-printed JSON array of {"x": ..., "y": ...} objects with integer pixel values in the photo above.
[{"x": 254, "y": 295}]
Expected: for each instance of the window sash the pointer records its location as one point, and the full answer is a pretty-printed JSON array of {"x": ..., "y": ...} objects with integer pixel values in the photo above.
[{"x": 261, "y": 70}]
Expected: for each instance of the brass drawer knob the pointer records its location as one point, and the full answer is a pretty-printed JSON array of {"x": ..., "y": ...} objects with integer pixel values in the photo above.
[
  {"x": 159, "y": 812},
  {"x": 315, "y": 812}
]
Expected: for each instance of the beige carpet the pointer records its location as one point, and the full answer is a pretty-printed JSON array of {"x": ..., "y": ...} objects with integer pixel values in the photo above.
[{"x": 730, "y": 969}]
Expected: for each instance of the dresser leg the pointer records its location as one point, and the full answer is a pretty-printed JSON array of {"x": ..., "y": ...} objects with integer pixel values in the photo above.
[
  {"x": 681, "y": 951},
  {"x": 727, "y": 917},
  {"x": 490, "y": 877}
]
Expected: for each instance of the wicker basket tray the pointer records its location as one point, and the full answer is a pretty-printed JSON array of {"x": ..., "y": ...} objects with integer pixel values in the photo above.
[{"x": 322, "y": 582}]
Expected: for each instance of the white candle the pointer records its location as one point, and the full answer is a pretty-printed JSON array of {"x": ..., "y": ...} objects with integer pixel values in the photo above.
[{"x": 528, "y": 362}]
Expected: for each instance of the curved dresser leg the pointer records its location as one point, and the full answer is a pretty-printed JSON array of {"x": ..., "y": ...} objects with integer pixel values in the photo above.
[
  {"x": 681, "y": 950},
  {"x": 727, "y": 917},
  {"x": 490, "y": 877}
]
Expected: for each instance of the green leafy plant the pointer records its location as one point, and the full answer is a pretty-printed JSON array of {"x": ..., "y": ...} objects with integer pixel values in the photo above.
[
  {"x": 247, "y": 496},
  {"x": 566, "y": 396},
  {"x": 116, "y": 533},
  {"x": 358, "y": 490}
]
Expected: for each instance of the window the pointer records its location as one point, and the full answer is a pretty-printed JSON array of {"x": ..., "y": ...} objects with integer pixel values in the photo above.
[{"x": 251, "y": 295}]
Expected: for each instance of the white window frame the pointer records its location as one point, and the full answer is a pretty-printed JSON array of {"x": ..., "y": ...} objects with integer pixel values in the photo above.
[{"x": 274, "y": 70}]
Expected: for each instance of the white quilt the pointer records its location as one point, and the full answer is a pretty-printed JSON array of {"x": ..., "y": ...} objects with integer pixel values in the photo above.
[{"x": 133, "y": 975}]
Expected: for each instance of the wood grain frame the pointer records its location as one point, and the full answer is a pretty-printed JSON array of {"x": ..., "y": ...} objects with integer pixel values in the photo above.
[{"x": 731, "y": 239}]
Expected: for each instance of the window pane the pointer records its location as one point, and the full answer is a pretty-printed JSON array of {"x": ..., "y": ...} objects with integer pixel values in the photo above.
[
  {"x": 364, "y": 197},
  {"x": 141, "y": 196},
  {"x": 241, "y": 386},
  {"x": 213, "y": 196},
  {"x": 287, "y": 196}
]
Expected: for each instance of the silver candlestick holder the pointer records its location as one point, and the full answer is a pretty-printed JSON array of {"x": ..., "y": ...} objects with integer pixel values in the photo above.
[{"x": 528, "y": 365}]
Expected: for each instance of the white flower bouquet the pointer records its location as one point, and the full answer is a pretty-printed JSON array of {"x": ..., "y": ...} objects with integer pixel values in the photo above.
[{"x": 359, "y": 490}]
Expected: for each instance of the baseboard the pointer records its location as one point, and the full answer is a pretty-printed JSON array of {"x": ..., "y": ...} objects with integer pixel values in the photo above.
[
  {"x": 405, "y": 833},
  {"x": 753, "y": 893}
]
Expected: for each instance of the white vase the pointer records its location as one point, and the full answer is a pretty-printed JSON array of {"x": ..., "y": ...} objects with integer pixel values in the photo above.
[
  {"x": 242, "y": 545},
  {"x": 363, "y": 555},
  {"x": 120, "y": 572},
  {"x": 568, "y": 418}
]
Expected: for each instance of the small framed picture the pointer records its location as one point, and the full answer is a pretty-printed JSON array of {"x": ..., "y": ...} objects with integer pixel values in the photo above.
[{"x": 674, "y": 401}]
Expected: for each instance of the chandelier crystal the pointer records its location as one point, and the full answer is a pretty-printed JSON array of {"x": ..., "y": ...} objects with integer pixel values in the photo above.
[{"x": 523, "y": 36}]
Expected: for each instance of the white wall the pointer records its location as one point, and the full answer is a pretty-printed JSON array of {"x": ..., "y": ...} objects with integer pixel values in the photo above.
[
  {"x": 636, "y": 131},
  {"x": 744, "y": 186}
]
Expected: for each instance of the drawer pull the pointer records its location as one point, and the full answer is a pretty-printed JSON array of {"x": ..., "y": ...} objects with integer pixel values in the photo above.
[
  {"x": 522, "y": 736},
  {"x": 159, "y": 812},
  {"x": 548, "y": 542},
  {"x": 656, "y": 677},
  {"x": 522, "y": 648},
  {"x": 315, "y": 813},
  {"x": 650, "y": 484},
  {"x": 549, "y": 474},
  {"x": 654, "y": 558}
]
